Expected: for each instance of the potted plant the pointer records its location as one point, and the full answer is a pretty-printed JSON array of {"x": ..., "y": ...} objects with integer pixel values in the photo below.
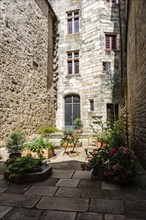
[
  {"x": 78, "y": 125},
  {"x": 26, "y": 169},
  {"x": 46, "y": 131},
  {"x": 38, "y": 145},
  {"x": 112, "y": 164},
  {"x": 14, "y": 144},
  {"x": 103, "y": 139},
  {"x": 117, "y": 134}
]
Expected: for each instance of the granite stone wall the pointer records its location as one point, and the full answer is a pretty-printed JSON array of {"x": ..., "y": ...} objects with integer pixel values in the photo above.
[
  {"x": 136, "y": 77},
  {"x": 27, "y": 89}
]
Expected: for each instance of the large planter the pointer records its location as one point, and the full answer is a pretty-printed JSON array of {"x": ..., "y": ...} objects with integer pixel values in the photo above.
[
  {"x": 48, "y": 153},
  {"x": 101, "y": 144},
  {"x": 29, "y": 177}
]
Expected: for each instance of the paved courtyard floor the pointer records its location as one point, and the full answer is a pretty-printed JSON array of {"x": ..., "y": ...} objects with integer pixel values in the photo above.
[{"x": 71, "y": 194}]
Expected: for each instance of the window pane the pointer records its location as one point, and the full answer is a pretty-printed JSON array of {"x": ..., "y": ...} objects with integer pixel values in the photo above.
[
  {"x": 76, "y": 99},
  {"x": 69, "y": 55},
  {"x": 76, "y": 54},
  {"x": 91, "y": 105},
  {"x": 69, "y": 67},
  {"x": 76, "y": 13},
  {"x": 68, "y": 99},
  {"x": 76, "y": 62},
  {"x": 110, "y": 112},
  {"x": 107, "y": 42},
  {"x": 113, "y": 42},
  {"x": 68, "y": 114},
  {"x": 106, "y": 66},
  {"x": 70, "y": 26},
  {"x": 76, "y": 24},
  {"x": 69, "y": 14}
]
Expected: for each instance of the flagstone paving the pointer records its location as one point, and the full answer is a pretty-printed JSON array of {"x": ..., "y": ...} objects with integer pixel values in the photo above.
[{"x": 71, "y": 194}]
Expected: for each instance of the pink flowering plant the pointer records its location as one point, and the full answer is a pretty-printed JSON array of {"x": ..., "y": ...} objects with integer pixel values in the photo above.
[{"x": 116, "y": 164}]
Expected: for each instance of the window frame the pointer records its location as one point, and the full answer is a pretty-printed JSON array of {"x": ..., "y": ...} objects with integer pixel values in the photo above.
[
  {"x": 72, "y": 18},
  {"x": 72, "y": 59},
  {"x": 106, "y": 71},
  {"x": 111, "y": 35},
  {"x": 91, "y": 105}
]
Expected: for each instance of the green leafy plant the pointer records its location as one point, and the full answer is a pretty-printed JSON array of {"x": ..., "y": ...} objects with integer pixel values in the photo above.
[
  {"x": 118, "y": 134},
  {"x": 14, "y": 143},
  {"x": 38, "y": 145},
  {"x": 46, "y": 131},
  {"x": 116, "y": 164},
  {"x": 22, "y": 165},
  {"x": 77, "y": 123},
  {"x": 69, "y": 132},
  {"x": 104, "y": 137}
]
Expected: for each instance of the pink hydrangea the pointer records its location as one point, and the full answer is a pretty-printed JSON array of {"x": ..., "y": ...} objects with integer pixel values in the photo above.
[
  {"x": 106, "y": 173},
  {"x": 113, "y": 151}
]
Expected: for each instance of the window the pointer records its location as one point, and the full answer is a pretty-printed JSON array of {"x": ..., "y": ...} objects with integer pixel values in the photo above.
[
  {"x": 112, "y": 112},
  {"x": 72, "y": 109},
  {"x": 73, "y": 63},
  {"x": 91, "y": 105},
  {"x": 106, "y": 67},
  {"x": 73, "y": 22},
  {"x": 111, "y": 42}
]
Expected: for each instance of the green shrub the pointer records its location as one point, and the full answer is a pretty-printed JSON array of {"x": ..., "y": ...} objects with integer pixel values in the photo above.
[
  {"x": 14, "y": 143},
  {"x": 38, "y": 145},
  {"x": 77, "y": 123},
  {"x": 118, "y": 134},
  {"x": 69, "y": 132},
  {"x": 46, "y": 131},
  {"x": 22, "y": 165}
]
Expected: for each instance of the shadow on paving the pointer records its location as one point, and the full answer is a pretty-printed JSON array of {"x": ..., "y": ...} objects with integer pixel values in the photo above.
[{"x": 71, "y": 194}]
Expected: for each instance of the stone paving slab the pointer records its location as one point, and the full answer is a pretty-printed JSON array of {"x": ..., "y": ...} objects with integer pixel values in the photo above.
[
  {"x": 136, "y": 215},
  {"x": 63, "y": 204},
  {"x": 135, "y": 205},
  {"x": 89, "y": 216},
  {"x": 57, "y": 215},
  {"x": 4, "y": 210},
  {"x": 48, "y": 182},
  {"x": 18, "y": 189},
  {"x": 23, "y": 214},
  {"x": 102, "y": 194},
  {"x": 106, "y": 206},
  {"x": 110, "y": 186},
  {"x": 135, "y": 209},
  {"x": 18, "y": 200},
  {"x": 135, "y": 195},
  {"x": 68, "y": 182},
  {"x": 4, "y": 183},
  {"x": 2, "y": 189},
  {"x": 1, "y": 177},
  {"x": 68, "y": 192},
  {"x": 82, "y": 175},
  {"x": 42, "y": 190},
  {"x": 63, "y": 174},
  {"x": 114, "y": 217},
  {"x": 93, "y": 184}
]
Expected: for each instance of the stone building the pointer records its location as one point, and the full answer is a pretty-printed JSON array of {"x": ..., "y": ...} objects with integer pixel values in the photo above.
[
  {"x": 27, "y": 49},
  {"x": 88, "y": 54},
  {"x": 133, "y": 17}
]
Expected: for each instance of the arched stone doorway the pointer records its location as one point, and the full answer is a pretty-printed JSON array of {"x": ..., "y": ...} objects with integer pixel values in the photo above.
[{"x": 72, "y": 109}]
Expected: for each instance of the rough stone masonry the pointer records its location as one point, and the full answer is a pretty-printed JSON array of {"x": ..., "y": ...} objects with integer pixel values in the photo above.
[{"x": 27, "y": 90}]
